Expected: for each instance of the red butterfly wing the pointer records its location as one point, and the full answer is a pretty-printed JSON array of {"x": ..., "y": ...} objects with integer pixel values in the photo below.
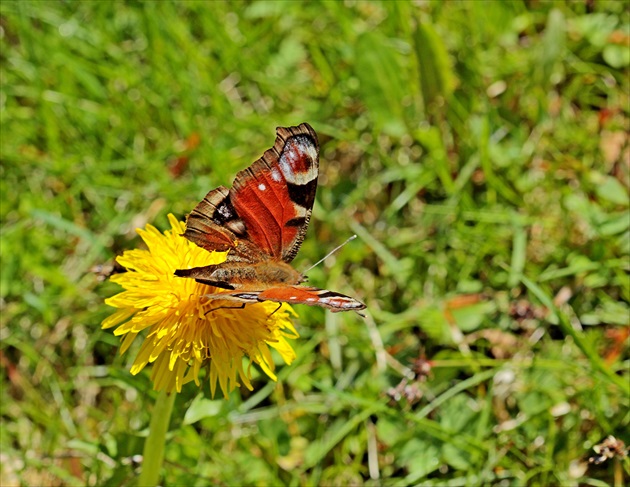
[
  {"x": 268, "y": 209},
  {"x": 274, "y": 196}
]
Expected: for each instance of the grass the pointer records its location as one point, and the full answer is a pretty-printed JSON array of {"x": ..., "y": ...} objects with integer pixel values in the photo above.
[{"x": 478, "y": 149}]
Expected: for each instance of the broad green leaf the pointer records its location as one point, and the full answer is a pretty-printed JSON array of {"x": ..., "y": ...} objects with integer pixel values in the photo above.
[
  {"x": 617, "y": 56},
  {"x": 553, "y": 45},
  {"x": 470, "y": 318},
  {"x": 433, "y": 322},
  {"x": 202, "y": 408},
  {"x": 436, "y": 75},
  {"x": 420, "y": 456},
  {"x": 610, "y": 189}
]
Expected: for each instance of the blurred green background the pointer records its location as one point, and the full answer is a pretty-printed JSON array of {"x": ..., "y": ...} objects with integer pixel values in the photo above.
[{"x": 478, "y": 149}]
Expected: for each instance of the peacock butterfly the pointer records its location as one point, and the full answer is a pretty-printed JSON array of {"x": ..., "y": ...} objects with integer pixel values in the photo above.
[{"x": 262, "y": 221}]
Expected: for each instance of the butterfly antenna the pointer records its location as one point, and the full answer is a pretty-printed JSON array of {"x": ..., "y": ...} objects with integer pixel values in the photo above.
[{"x": 329, "y": 254}]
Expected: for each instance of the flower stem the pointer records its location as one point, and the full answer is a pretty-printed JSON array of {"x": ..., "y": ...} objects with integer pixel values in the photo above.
[{"x": 153, "y": 454}]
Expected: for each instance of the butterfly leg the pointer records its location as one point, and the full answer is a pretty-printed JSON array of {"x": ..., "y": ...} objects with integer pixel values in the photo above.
[
  {"x": 279, "y": 306},
  {"x": 226, "y": 307}
]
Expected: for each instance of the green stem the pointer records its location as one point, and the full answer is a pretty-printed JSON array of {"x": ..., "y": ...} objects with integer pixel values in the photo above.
[{"x": 153, "y": 454}]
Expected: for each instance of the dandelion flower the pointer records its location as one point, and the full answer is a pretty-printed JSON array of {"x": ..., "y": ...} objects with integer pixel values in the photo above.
[{"x": 183, "y": 330}]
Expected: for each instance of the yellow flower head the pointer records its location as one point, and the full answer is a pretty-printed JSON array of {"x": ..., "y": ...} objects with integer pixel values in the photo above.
[{"x": 186, "y": 330}]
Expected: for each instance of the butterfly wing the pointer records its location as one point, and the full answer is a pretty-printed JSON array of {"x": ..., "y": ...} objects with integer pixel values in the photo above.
[
  {"x": 204, "y": 226},
  {"x": 274, "y": 196},
  {"x": 267, "y": 211},
  {"x": 312, "y": 296}
]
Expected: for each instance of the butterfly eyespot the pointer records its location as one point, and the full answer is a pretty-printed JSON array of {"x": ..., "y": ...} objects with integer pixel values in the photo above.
[{"x": 225, "y": 212}]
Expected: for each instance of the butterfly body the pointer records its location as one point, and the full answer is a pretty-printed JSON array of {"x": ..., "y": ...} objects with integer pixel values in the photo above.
[
  {"x": 244, "y": 276},
  {"x": 262, "y": 221}
]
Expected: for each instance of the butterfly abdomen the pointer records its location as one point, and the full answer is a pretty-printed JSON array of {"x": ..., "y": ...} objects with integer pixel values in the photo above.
[
  {"x": 264, "y": 275},
  {"x": 261, "y": 275}
]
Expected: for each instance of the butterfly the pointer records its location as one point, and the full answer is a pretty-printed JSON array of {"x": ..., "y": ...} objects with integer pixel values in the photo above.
[{"x": 262, "y": 221}]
